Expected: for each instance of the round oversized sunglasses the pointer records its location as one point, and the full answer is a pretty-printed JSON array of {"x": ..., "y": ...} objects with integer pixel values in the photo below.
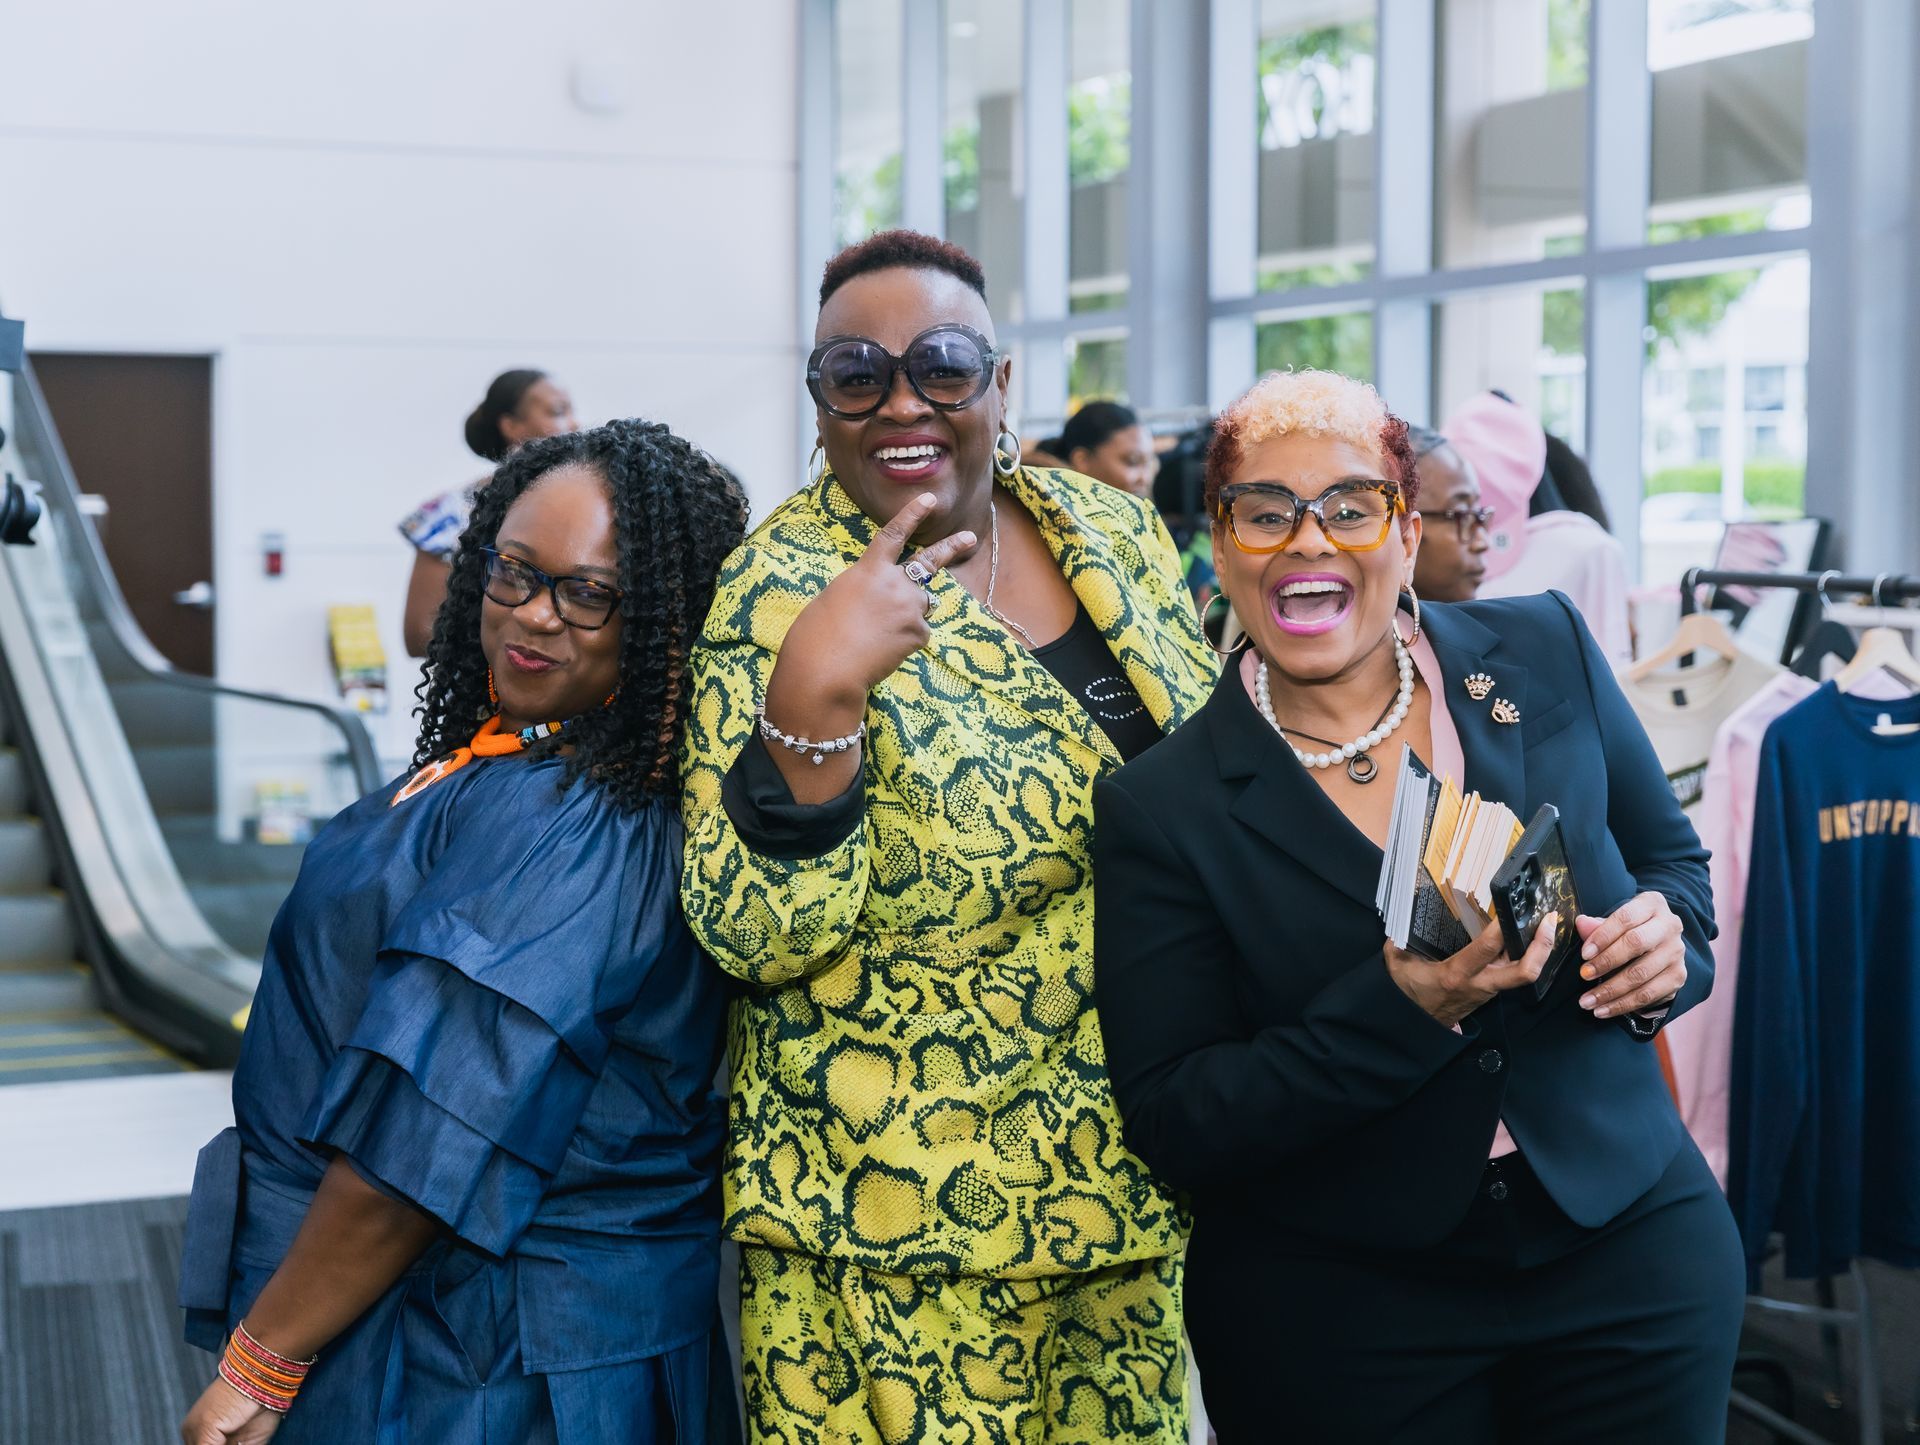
[
  {"x": 578, "y": 601},
  {"x": 948, "y": 368},
  {"x": 1354, "y": 516}
]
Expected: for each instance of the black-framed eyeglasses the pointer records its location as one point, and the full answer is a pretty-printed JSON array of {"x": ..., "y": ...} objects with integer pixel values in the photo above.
[
  {"x": 1466, "y": 520},
  {"x": 577, "y": 601},
  {"x": 949, "y": 367},
  {"x": 1354, "y": 516}
]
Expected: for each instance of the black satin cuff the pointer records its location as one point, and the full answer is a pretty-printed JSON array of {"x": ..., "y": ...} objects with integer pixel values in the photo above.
[{"x": 761, "y": 807}]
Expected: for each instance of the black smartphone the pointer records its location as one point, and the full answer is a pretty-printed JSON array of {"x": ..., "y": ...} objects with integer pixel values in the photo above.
[{"x": 1537, "y": 880}]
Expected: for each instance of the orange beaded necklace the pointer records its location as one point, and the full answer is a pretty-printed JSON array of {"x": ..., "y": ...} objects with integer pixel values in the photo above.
[{"x": 489, "y": 742}]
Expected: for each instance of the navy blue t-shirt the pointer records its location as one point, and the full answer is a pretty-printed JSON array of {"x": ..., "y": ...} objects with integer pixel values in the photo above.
[{"x": 1826, "y": 1074}]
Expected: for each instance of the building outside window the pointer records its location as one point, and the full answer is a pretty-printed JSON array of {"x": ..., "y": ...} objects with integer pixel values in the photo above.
[
  {"x": 1316, "y": 78},
  {"x": 867, "y": 118},
  {"x": 1339, "y": 204},
  {"x": 1099, "y": 103}
]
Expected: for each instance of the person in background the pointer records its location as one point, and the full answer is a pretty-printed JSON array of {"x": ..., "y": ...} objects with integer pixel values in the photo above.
[
  {"x": 1105, "y": 441},
  {"x": 518, "y": 407},
  {"x": 1570, "y": 477},
  {"x": 1507, "y": 449},
  {"x": 472, "y": 1191},
  {"x": 1454, "y": 543}
]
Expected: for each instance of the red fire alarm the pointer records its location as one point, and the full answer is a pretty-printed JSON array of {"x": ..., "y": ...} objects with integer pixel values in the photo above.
[{"x": 273, "y": 553}]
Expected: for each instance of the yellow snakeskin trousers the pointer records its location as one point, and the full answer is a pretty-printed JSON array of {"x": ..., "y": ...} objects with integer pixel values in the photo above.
[{"x": 839, "y": 1355}]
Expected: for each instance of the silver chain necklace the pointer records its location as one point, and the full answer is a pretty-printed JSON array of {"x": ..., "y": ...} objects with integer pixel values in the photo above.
[{"x": 993, "y": 575}]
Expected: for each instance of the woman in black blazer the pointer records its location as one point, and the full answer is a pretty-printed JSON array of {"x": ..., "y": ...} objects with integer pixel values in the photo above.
[{"x": 1426, "y": 1206}]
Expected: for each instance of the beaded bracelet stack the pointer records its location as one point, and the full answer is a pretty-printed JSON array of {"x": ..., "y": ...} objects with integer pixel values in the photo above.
[
  {"x": 819, "y": 748},
  {"x": 258, "y": 1373}
]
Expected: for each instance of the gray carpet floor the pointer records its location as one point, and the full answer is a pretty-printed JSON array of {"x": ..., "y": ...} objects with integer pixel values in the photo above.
[{"x": 90, "y": 1349}]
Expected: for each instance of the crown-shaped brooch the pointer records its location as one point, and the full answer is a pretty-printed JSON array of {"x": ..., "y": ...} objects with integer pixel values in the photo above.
[
  {"x": 1478, "y": 686},
  {"x": 1504, "y": 711}
]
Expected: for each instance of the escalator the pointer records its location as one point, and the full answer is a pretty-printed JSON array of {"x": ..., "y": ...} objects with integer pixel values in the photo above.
[
  {"x": 50, "y": 1024},
  {"x": 151, "y": 821}
]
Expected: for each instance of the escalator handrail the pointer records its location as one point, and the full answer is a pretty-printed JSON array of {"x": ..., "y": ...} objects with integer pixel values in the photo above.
[{"x": 61, "y": 492}]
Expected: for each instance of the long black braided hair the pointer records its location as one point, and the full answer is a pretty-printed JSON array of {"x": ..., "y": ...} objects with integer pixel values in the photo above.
[{"x": 677, "y": 514}]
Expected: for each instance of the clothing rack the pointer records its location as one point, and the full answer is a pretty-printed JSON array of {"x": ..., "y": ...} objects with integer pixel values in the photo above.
[{"x": 1885, "y": 587}]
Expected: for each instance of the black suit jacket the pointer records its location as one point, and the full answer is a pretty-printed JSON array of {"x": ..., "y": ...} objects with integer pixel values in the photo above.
[{"x": 1263, "y": 1058}]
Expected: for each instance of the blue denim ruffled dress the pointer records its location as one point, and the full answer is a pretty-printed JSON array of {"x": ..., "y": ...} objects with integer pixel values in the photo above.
[{"x": 485, "y": 998}]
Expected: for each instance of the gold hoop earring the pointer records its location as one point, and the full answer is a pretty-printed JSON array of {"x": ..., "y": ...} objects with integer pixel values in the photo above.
[
  {"x": 1413, "y": 597},
  {"x": 1221, "y": 627},
  {"x": 1008, "y": 440},
  {"x": 816, "y": 464}
]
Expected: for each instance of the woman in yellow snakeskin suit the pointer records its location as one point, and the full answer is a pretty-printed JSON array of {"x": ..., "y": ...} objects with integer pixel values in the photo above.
[{"x": 889, "y": 773}]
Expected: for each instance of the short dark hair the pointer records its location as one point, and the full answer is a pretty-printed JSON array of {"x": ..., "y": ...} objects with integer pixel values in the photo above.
[
  {"x": 1091, "y": 426},
  {"x": 677, "y": 514},
  {"x": 884, "y": 250}
]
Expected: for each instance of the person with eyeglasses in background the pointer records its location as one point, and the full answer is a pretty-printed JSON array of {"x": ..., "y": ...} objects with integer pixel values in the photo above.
[
  {"x": 520, "y": 406},
  {"x": 1454, "y": 542},
  {"x": 911, "y": 677},
  {"x": 472, "y": 1190}
]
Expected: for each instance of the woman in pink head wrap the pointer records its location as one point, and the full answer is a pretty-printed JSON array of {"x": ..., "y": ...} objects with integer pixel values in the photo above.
[{"x": 1567, "y": 551}]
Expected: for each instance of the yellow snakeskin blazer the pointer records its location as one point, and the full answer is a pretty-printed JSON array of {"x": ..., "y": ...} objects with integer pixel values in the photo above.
[{"x": 919, "y": 1084}]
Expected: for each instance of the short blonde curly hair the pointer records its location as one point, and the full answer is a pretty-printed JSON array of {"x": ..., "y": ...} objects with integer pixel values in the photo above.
[{"x": 1319, "y": 403}]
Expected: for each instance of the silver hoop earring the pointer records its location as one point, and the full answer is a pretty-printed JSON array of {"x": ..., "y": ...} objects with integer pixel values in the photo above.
[
  {"x": 1008, "y": 440},
  {"x": 816, "y": 464},
  {"x": 1220, "y": 625},
  {"x": 1414, "y": 597}
]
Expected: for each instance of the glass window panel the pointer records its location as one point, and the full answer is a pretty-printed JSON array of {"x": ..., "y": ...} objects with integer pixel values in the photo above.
[
  {"x": 866, "y": 122},
  {"x": 1707, "y": 454},
  {"x": 1341, "y": 342},
  {"x": 1766, "y": 388},
  {"x": 1706, "y": 385},
  {"x": 982, "y": 143},
  {"x": 1096, "y": 368},
  {"x": 1729, "y": 116},
  {"x": 1316, "y": 112},
  {"x": 1511, "y": 133},
  {"x": 1099, "y": 153},
  {"x": 1528, "y": 342}
]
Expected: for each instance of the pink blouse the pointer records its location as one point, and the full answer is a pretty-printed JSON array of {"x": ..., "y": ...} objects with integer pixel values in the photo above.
[{"x": 1447, "y": 759}]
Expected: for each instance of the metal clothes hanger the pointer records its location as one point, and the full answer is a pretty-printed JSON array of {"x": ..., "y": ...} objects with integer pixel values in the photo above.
[
  {"x": 1828, "y": 639},
  {"x": 1882, "y": 649}
]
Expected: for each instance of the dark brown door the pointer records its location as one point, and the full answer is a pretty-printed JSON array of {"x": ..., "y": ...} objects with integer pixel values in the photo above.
[{"x": 139, "y": 431}]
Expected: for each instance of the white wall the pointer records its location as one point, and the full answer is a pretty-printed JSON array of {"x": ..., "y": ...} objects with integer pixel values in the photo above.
[{"x": 365, "y": 210}]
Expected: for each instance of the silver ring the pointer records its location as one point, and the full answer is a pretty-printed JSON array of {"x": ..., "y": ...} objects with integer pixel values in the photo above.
[
  {"x": 917, "y": 571},
  {"x": 930, "y": 599}
]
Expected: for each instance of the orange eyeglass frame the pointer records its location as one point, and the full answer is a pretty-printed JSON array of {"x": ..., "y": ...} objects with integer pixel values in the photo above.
[{"x": 1224, "y": 512}]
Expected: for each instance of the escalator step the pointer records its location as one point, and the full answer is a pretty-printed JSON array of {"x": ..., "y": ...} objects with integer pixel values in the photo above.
[
  {"x": 13, "y": 783},
  {"x": 35, "y": 989},
  {"x": 26, "y": 863},
  {"x": 35, "y": 926},
  {"x": 85, "y": 1046}
]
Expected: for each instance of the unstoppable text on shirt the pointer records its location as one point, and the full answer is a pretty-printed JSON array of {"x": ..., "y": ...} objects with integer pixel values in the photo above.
[{"x": 1871, "y": 817}]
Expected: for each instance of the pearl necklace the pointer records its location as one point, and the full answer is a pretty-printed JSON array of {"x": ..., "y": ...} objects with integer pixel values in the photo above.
[{"x": 1360, "y": 767}]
